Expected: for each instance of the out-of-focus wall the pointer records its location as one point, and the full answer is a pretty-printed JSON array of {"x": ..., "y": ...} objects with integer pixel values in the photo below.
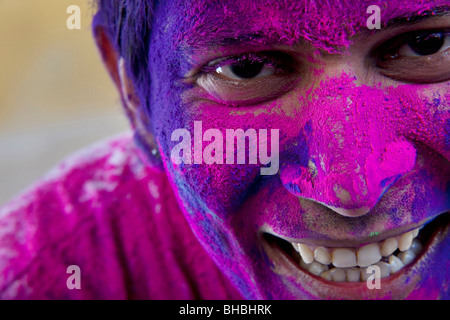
[{"x": 55, "y": 95}]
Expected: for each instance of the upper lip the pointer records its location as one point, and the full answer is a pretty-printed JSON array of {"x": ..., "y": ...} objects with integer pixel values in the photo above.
[{"x": 352, "y": 241}]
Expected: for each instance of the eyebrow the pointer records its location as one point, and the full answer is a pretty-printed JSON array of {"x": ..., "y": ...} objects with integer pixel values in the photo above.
[
  {"x": 256, "y": 38},
  {"x": 238, "y": 39},
  {"x": 242, "y": 38},
  {"x": 417, "y": 17}
]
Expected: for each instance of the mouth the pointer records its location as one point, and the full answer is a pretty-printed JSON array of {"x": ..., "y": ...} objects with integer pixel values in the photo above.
[{"x": 347, "y": 265}]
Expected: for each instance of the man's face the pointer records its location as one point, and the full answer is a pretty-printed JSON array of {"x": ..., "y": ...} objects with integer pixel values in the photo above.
[{"x": 364, "y": 141}]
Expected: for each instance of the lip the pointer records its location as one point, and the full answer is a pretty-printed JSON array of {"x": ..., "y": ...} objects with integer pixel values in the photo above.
[{"x": 396, "y": 286}]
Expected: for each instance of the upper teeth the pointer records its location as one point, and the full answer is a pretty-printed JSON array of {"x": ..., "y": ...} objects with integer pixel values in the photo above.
[{"x": 346, "y": 261}]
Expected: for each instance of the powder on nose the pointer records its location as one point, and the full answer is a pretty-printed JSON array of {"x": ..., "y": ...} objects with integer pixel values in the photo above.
[{"x": 398, "y": 158}]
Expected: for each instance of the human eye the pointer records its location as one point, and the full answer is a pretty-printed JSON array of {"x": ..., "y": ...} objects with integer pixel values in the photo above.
[
  {"x": 421, "y": 56},
  {"x": 249, "y": 78}
]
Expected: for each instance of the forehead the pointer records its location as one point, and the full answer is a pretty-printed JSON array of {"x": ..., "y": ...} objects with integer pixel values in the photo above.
[{"x": 327, "y": 24}]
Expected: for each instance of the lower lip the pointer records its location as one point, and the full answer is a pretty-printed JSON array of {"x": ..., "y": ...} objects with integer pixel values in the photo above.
[{"x": 396, "y": 286}]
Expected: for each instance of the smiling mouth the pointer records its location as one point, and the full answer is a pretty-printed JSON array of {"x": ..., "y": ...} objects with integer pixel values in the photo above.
[{"x": 336, "y": 263}]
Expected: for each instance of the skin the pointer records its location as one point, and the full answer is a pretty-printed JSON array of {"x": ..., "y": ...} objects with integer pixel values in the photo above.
[{"x": 360, "y": 151}]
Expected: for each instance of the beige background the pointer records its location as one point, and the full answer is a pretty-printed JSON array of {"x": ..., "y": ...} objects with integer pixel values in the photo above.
[{"x": 55, "y": 95}]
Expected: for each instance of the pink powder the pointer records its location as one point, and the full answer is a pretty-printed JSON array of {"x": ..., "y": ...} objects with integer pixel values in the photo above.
[{"x": 112, "y": 214}]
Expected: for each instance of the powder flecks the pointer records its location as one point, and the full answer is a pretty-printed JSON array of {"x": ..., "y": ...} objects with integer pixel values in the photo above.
[
  {"x": 447, "y": 134},
  {"x": 92, "y": 188},
  {"x": 154, "y": 190},
  {"x": 398, "y": 158}
]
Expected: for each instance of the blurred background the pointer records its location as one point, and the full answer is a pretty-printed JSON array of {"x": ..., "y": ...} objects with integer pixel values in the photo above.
[{"x": 55, "y": 95}]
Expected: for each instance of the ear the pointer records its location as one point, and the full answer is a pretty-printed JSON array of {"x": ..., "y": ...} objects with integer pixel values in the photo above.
[
  {"x": 108, "y": 52},
  {"x": 116, "y": 67}
]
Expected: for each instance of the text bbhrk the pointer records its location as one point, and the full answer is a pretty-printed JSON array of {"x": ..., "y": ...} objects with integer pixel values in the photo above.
[{"x": 226, "y": 309}]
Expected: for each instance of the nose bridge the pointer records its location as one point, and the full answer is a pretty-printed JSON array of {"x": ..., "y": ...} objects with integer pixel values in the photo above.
[{"x": 353, "y": 154}]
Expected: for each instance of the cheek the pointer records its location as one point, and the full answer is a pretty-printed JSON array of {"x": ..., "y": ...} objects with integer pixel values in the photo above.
[
  {"x": 432, "y": 118},
  {"x": 223, "y": 188}
]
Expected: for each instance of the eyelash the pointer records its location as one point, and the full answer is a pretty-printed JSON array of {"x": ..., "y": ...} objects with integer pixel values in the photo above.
[{"x": 280, "y": 61}]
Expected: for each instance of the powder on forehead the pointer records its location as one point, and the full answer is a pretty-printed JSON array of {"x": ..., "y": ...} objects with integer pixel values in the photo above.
[{"x": 329, "y": 25}]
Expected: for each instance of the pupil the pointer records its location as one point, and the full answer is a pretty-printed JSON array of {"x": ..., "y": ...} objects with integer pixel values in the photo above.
[
  {"x": 247, "y": 68},
  {"x": 426, "y": 43}
]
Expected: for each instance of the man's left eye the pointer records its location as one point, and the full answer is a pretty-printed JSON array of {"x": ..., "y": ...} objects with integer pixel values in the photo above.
[
  {"x": 420, "y": 57},
  {"x": 425, "y": 43}
]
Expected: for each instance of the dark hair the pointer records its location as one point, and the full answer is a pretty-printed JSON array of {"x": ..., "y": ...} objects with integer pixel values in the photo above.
[{"x": 127, "y": 25}]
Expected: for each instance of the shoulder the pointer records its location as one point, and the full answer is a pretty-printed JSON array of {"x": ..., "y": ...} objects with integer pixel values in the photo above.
[
  {"x": 74, "y": 216},
  {"x": 109, "y": 212}
]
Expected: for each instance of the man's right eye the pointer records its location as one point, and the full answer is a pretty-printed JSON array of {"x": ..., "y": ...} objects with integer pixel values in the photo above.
[
  {"x": 247, "y": 67},
  {"x": 416, "y": 57},
  {"x": 249, "y": 78}
]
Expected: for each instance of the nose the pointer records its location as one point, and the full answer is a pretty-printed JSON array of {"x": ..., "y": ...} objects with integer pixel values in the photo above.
[{"x": 347, "y": 152}]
